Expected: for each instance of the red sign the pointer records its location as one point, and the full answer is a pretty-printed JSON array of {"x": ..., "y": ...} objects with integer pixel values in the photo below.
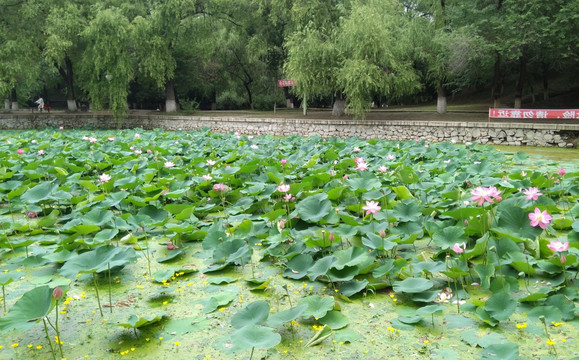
[
  {"x": 284, "y": 83},
  {"x": 533, "y": 114}
]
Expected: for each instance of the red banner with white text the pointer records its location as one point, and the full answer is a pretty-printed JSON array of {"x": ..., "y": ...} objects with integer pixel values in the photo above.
[
  {"x": 533, "y": 114},
  {"x": 285, "y": 83}
]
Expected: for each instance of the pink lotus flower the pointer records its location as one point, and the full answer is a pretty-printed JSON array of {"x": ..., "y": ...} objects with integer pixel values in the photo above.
[
  {"x": 390, "y": 157},
  {"x": 57, "y": 293},
  {"x": 61, "y": 127},
  {"x": 532, "y": 193},
  {"x": 539, "y": 218},
  {"x": 112, "y": 138},
  {"x": 169, "y": 164},
  {"x": 331, "y": 237},
  {"x": 288, "y": 197},
  {"x": 220, "y": 188},
  {"x": 138, "y": 152},
  {"x": 283, "y": 161},
  {"x": 361, "y": 165},
  {"x": 382, "y": 169},
  {"x": 356, "y": 149},
  {"x": 85, "y": 138},
  {"x": 31, "y": 214},
  {"x": 207, "y": 177},
  {"x": 254, "y": 147},
  {"x": 105, "y": 178},
  {"x": 459, "y": 248},
  {"x": 487, "y": 194},
  {"x": 359, "y": 160},
  {"x": 20, "y": 151},
  {"x": 562, "y": 172},
  {"x": 210, "y": 163},
  {"x": 281, "y": 224},
  {"x": 92, "y": 140},
  {"x": 40, "y": 152},
  {"x": 137, "y": 135},
  {"x": 148, "y": 151},
  {"x": 283, "y": 188},
  {"x": 558, "y": 246},
  {"x": 372, "y": 207}
]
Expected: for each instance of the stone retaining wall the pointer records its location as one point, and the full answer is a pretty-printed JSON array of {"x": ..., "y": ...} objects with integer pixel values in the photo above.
[{"x": 531, "y": 134}]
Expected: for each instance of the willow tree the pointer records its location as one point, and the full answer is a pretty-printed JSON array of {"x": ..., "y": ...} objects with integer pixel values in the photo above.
[
  {"x": 20, "y": 50},
  {"x": 63, "y": 46},
  {"x": 107, "y": 64},
  {"x": 363, "y": 53}
]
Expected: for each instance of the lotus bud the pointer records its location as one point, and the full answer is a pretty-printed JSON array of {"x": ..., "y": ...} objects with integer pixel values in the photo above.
[
  {"x": 57, "y": 293},
  {"x": 171, "y": 246},
  {"x": 331, "y": 237},
  {"x": 382, "y": 233},
  {"x": 563, "y": 259}
]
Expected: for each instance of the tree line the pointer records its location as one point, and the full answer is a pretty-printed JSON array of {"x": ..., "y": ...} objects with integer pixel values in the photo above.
[{"x": 229, "y": 53}]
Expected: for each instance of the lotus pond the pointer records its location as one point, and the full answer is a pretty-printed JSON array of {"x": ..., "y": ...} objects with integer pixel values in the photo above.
[{"x": 141, "y": 244}]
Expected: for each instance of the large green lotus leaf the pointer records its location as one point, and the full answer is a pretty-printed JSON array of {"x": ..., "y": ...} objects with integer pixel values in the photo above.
[
  {"x": 431, "y": 309},
  {"x": 364, "y": 183},
  {"x": 514, "y": 223},
  {"x": 402, "y": 192},
  {"x": 212, "y": 303},
  {"x": 346, "y": 274},
  {"x": 446, "y": 238},
  {"x": 255, "y": 313},
  {"x": 277, "y": 319},
  {"x": 317, "y": 306},
  {"x": 98, "y": 260},
  {"x": 321, "y": 267},
  {"x": 135, "y": 322},
  {"x": 412, "y": 285},
  {"x": 255, "y": 336},
  {"x": 563, "y": 303},
  {"x": 98, "y": 217},
  {"x": 28, "y": 310},
  {"x": 171, "y": 255},
  {"x": 549, "y": 312},
  {"x": 156, "y": 214},
  {"x": 485, "y": 272},
  {"x": 508, "y": 351},
  {"x": 298, "y": 266},
  {"x": 49, "y": 220},
  {"x": 500, "y": 306},
  {"x": 352, "y": 256},
  {"x": 7, "y": 278},
  {"x": 39, "y": 192},
  {"x": 407, "y": 175},
  {"x": 335, "y": 320},
  {"x": 353, "y": 287},
  {"x": 406, "y": 211},
  {"x": 314, "y": 208}
]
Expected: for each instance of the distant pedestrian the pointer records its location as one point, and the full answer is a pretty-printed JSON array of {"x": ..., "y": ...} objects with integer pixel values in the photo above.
[{"x": 40, "y": 103}]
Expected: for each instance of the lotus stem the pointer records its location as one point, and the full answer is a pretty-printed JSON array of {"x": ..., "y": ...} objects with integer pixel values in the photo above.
[
  {"x": 97, "y": 293},
  {"x": 4, "y": 298},
  {"x": 48, "y": 338},
  {"x": 251, "y": 355},
  {"x": 57, "y": 332},
  {"x": 110, "y": 293}
]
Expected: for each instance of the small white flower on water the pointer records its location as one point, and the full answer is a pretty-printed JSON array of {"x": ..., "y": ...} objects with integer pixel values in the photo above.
[{"x": 169, "y": 164}]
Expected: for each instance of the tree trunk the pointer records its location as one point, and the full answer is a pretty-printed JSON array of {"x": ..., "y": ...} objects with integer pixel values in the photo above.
[
  {"x": 289, "y": 103},
  {"x": 70, "y": 96},
  {"x": 521, "y": 81},
  {"x": 339, "y": 108},
  {"x": 14, "y": 99},
  {"x": 441, "y": 107},
  {"x": 7, "y": 104},
  {"x": 214, "y": 99},
  {"x": 249, "y": 94},
  {"x": 497, "y": 82},
  {"x": 545, "y": 82},
  {"x": 170, "y": 98}
]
